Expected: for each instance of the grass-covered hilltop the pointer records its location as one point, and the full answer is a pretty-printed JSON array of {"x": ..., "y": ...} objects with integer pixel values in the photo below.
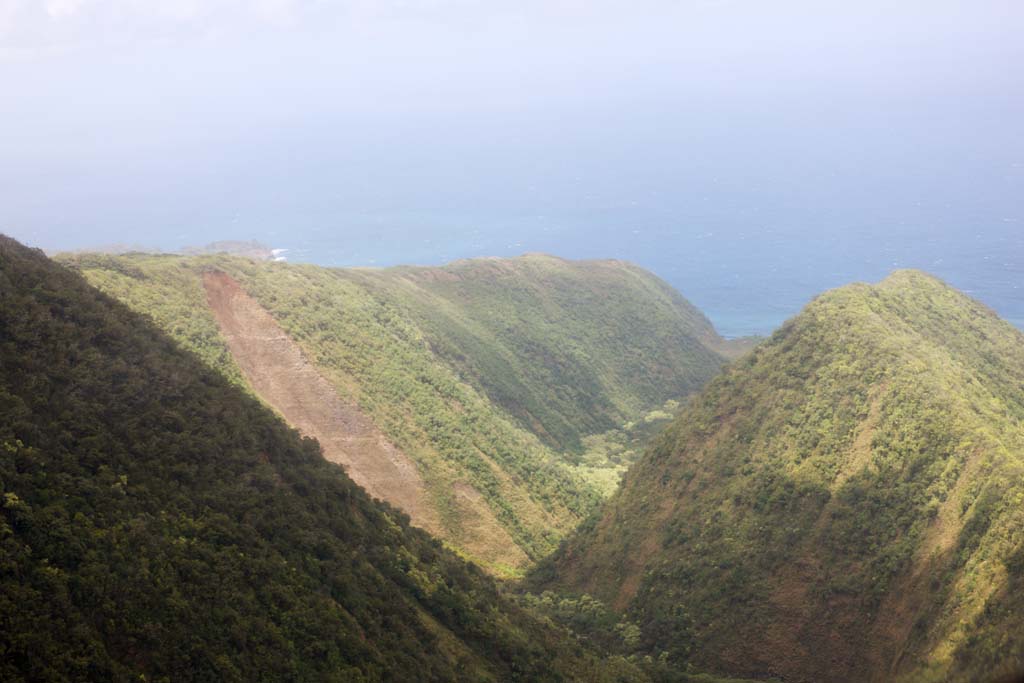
[
  {"x": 157, "y": 523},
  {"x": 494, "y": 400},
  {"x": 844, "y": 504}
]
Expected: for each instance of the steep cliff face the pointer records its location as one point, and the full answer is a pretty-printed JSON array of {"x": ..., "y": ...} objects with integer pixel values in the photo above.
[{"x": 844, "y": 504}]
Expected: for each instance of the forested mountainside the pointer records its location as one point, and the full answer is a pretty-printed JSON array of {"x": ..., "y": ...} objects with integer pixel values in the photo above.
[
  {"x": 844, "y": 504},
  {"x": 509, "y": 393},
  {"x": 568, "y": 348},
  {"x": 157, "y": 523}
]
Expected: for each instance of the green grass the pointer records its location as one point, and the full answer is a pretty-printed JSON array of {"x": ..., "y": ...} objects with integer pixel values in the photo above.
[{"x": 607, "y": 456}]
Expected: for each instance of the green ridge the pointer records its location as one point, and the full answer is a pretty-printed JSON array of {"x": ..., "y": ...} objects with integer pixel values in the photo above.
[
  {"x": 157, "y": 523},
  {"x": 844, "y": 504},
  {"x": 494, "y": 372},
  {"x": 568, "y": 348}
]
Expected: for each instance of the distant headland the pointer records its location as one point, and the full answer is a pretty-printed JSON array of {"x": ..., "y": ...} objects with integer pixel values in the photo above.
[{"x": 247, "y": 248}]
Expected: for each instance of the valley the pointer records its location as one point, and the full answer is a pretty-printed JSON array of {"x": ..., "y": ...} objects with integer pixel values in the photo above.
[
  {"x": 446, "y": 341},
  {"x": 158, "y": 523},
  {"x": 840, "y": 502},
  {"x": 464, "y": 395}
]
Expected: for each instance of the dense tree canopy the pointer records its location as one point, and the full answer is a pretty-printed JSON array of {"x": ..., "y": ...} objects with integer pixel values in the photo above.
[
  {"x": 158, "y": 523},
  {"x": 853, "y": 487},
  {"x": 507, "y": 378}
]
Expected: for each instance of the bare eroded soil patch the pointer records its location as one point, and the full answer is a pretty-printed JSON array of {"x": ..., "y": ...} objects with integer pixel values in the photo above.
[{"x": 279, "y": 373}]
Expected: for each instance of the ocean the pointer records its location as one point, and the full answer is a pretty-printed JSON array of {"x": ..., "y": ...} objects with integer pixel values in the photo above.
[{"x": 748, "y": 277}]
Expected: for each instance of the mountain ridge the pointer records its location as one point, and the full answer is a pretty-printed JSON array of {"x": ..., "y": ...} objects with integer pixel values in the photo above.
[
  {"x": 492, "y": 376},
  {"x": 846, "y": 488},
  {"x": 158, "y": 523}
]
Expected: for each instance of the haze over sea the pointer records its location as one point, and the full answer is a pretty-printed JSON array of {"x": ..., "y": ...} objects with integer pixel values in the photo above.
[
  {"x": 747, "y": 275},
  {"x": 751, "y": 154}
]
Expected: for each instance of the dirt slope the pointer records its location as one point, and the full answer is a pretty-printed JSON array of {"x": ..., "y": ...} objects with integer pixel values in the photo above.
[{"x": 279, "y": 373}]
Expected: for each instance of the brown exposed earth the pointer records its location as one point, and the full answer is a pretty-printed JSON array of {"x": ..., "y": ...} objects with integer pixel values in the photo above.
[{"x": 279, "y": 373}]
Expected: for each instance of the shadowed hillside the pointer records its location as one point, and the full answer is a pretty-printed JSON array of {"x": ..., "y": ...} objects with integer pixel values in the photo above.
[
  {"x": 158, "y": 524},
  {"x": 844, "y": 504}
]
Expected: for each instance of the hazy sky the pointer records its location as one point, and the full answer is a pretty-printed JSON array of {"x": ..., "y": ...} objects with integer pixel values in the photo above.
[
  {"x": 387, "y": 128},
  {"x": 126, "y": 119}
]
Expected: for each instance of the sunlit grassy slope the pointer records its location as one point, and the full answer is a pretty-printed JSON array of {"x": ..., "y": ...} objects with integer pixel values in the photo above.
[
  {"x": 492, "y": 375},
  {"x": 568, "y": 348},
  {"x": 844, "y": 504},
  {"x": 157, "y": 523}
]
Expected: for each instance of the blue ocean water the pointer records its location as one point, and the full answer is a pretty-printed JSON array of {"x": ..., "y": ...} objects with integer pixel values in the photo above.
[
  {"x": 748, "y": 278},
  {"x": 752, "y": 158},
  {"x": 749, "y": 211}
]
